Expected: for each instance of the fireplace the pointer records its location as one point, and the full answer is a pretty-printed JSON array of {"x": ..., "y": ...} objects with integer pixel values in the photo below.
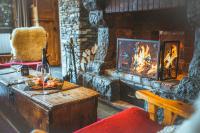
[
  {"x": 146, "y": 58},
  {"x": 140, "y": 57},
  {"x": 169, "y": 60},
  {"x": 140, "y": 49}
]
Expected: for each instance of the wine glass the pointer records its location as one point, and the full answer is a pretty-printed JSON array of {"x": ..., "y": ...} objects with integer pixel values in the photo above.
[
  {"x": 44, "y": 74},
  {"x": 16, "y": 63}
]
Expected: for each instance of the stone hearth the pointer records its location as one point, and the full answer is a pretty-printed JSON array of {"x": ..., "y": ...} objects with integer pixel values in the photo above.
[
  {"x": 107, "y": 86},
  {"x": 141, "y": 82},
  {"x": 114, "y": 85}
]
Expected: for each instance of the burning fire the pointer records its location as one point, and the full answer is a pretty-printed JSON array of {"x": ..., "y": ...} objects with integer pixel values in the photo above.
[
  {"x": 142, "y": 61},
  {"x": 170, "y": 57},
  {"x": 153, "y": 69}
]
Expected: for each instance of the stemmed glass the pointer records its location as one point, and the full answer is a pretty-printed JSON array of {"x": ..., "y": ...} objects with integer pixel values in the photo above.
[
  {"x": 44, "y": 74},
  {"x": 16, "y": 63}
]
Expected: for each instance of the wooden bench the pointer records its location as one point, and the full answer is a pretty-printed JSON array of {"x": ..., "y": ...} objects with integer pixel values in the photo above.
[{"x": 172, "y": 108}]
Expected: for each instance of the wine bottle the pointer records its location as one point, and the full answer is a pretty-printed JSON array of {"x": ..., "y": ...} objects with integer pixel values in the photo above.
[{"x": 45, "y": 63}]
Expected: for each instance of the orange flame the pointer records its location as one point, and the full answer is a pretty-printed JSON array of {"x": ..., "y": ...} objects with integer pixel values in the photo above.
[
  {"x": 142, "y": 61},
  {"x": 153, "y": 69},
  {"x": 170, "y": 57}
]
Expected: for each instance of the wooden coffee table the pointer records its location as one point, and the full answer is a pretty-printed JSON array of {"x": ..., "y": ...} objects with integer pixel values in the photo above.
[{"x": 64, "y": 110}]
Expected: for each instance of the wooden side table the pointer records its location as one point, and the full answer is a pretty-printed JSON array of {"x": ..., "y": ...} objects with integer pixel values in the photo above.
[{"x": 65, "y": 110}]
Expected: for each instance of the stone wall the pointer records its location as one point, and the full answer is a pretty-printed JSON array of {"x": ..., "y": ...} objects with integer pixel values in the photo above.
[
  {"x": 74, "y": 23},
  {"x": 189, "y": 88},
  {"x": 193, "y": 12}
]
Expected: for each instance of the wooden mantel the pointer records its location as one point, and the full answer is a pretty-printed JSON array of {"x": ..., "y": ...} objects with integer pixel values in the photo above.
[{"x": 115, "y": 6}]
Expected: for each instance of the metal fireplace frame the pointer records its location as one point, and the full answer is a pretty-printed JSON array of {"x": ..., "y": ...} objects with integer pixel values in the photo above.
[{"x": 158, "y": 56}]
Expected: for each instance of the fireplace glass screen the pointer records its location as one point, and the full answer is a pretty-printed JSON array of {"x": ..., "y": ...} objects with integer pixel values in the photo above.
[
  {"x": 139, "y": 57},
  {"x": 170, "y": 55}
]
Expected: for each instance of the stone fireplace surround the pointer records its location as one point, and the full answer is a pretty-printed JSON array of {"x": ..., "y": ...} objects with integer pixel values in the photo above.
[
  {"x": 110, "y": 83},
  {"x": 115, "y": 85}
]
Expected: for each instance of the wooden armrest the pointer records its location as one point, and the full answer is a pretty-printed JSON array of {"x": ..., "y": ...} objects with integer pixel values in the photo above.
[{"x": 172, "y": 108}]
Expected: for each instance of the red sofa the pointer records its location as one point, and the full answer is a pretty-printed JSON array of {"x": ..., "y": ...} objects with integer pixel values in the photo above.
[{"x": 133, "y": 120}]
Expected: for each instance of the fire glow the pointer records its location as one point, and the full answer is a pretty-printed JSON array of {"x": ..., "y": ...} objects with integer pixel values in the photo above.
[
  {"x": 141, "y": 61},
  {"x": 170, "y": 57},
  {"x": 170, "y": 60}
]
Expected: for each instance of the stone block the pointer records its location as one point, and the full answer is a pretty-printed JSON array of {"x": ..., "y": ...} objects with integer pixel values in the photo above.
[
  {"x": 167, "y": 86},
  {"x": 136, "y": 79},
  {"x": 156, "y": 84},
  {"x": 147, "y": 87},
  {"x": 87, "y": 80},
  {"x": 107, "y": 87},
  {"x": 139, "y": 85},
  {"x": 127, "y": 77},
  {"x": 146, "y": 81}
]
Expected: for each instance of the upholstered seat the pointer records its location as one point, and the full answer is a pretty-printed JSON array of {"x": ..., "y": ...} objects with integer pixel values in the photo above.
[{"x": 27, "y": 44}]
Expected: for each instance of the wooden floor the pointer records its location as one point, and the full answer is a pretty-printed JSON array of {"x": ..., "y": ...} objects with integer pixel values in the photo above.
[{"x": 6, "y": 126}]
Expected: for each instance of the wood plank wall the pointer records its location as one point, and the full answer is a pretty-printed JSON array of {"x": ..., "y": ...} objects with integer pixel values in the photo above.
[
  {"x": 142, "y": 5},
  {"x": 48, "y": 18}
]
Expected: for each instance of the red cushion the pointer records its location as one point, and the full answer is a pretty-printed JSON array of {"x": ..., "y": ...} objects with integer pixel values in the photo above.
[
  {"x": 32, "y": 65},
  {"x": 133, "y": 120},
  {"x": 5, "y": 65}
]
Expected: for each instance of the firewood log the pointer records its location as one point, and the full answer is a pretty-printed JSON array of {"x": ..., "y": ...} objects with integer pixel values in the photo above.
[
  {"x": 88, "y": 52},
  {"x": 94, "y": 49},
  {"x": 88, "y": 59},
  {"x": 83, "y": 62},
  {"x": 84, "y": 54}
]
